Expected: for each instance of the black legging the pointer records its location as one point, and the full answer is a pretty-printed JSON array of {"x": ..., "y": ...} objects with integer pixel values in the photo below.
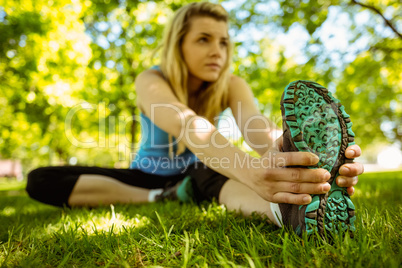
[{"x": 53, "y": 185}]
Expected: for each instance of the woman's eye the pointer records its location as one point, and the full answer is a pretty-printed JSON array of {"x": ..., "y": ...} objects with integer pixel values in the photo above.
[
  {"x": 202, "y": 40},
  {"x": 225, "y": 44}
]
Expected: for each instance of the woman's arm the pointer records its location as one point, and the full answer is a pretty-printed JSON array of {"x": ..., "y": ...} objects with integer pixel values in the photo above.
[
  {"x": 263, "y": 175},
  {"x": 158, "y": 102},
  {"x": 258, "y": 131}
]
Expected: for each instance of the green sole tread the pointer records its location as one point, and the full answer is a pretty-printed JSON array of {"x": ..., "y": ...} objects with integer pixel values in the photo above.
[{"x": 315, "y": 127}]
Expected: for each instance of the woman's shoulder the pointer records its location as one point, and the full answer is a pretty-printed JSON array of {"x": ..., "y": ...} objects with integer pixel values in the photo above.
[
  {"x": 234, "y": 78},
  {"x": 150, "y": 80},
  {"x": 154, "y": 70},
  {"x": 239, "y": 91},
  {"x": 150, "y": 75},
  {"x": 236, "y": 84}
]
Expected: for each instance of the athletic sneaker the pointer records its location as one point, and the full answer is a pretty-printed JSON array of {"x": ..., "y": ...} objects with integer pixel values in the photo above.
[
  {"x": 314, "y": 121},
  {"x": 182, "y": 191}
]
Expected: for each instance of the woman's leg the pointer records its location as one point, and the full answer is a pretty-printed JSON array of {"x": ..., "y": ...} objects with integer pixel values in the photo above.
[
  {"x": 92, "y": 186},
  {"x": 209, "y": 185},
  {"x": 236, "y": 196},
  {"x": 94, "y": 190}
]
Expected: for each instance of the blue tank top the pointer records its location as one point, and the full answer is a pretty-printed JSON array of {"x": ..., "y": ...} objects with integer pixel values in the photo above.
[{"x": 153, "y": 155}]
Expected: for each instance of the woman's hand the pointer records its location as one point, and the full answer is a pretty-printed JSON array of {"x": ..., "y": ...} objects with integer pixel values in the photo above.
[
  {"x": 276, "y": 180},
  {"x": 349, "y": 172},
  {"x": 279, "y": 181}
]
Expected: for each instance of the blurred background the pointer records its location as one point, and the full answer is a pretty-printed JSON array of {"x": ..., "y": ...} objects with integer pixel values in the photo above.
[{"x": 67, "y": 71}]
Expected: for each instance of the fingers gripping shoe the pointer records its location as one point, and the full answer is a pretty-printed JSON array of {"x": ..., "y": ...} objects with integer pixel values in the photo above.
[{"x": 314, "y": 121}]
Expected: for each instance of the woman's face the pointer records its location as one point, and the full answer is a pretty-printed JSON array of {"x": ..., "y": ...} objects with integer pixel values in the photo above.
[{"x": 205, "y": 48}]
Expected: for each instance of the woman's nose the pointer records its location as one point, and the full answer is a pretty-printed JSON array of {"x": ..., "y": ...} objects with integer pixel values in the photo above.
[{"x": 216, "y": 50}]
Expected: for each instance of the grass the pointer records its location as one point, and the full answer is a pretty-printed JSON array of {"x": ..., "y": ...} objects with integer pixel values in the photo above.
[
  {"x": 11, "y": 185},
  {"x": 174, "y": 235}
]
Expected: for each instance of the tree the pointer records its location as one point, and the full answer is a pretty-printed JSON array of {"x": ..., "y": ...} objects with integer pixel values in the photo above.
[
  {"x": 364, "y": 72},
  {"x": 67, "y": 69}
]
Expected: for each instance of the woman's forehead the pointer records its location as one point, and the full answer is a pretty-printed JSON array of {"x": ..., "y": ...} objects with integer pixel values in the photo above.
[{"x": 209, "y": 26}]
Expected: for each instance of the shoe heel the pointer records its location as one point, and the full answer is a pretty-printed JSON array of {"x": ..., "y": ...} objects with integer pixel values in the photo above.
[
  {"x": 340, "y": 211},
  {"x": 311, "y": 215}
]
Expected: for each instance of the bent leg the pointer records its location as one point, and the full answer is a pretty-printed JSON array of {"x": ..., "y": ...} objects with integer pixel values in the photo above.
[
  {"x": 94, "y": 190},
  {"x": 92, "y": 186},
  {"x": 51, "y": 185}
]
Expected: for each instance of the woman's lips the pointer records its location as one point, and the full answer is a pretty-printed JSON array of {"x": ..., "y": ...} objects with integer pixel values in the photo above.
[{"x": 214, "y": 66}]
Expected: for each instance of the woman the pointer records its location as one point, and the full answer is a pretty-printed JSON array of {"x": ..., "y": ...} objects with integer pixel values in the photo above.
[{"x": 179, "y": 101}]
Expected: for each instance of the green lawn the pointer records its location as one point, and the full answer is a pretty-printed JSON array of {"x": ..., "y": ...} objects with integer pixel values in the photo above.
[{"x": 174, "y": 235}]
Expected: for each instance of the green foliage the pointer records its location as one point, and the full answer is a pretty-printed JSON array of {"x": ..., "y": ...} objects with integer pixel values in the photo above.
[
  {"x": 187, "y": 235},
  {"x": 67, "y": 70},
  {"x": 369, "y": 83}
]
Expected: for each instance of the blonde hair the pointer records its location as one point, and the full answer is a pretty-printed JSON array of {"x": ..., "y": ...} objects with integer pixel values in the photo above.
[{"x": 214, "y": 98}]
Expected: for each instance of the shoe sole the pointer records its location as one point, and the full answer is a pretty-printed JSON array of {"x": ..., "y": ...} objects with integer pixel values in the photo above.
[{"x": 319, "y": 124}]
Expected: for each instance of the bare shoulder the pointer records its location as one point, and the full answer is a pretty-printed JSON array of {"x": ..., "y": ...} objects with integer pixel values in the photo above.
[
  {"x": 147, "y": 75},
  {"x": 238, "y": 87},
  {"x": 240, "y": 92},
  {"x": 150, "y": 80},
  {"x": 151, "y": 87},
  {"x": 236, "y": 82}
]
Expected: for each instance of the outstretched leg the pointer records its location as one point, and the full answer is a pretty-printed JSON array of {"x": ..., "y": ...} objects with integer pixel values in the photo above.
[
  {"x": 246, "y": 201},
  {"x": 210, "y": 185}
]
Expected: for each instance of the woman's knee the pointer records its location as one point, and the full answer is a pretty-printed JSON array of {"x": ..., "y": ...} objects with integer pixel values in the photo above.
[
  {"x": 36, "y": 181},
  {"x": 52, "y": 185}
]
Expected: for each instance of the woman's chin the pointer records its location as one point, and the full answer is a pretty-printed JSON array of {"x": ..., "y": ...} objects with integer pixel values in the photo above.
[{"x": 211, "y": 78}]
